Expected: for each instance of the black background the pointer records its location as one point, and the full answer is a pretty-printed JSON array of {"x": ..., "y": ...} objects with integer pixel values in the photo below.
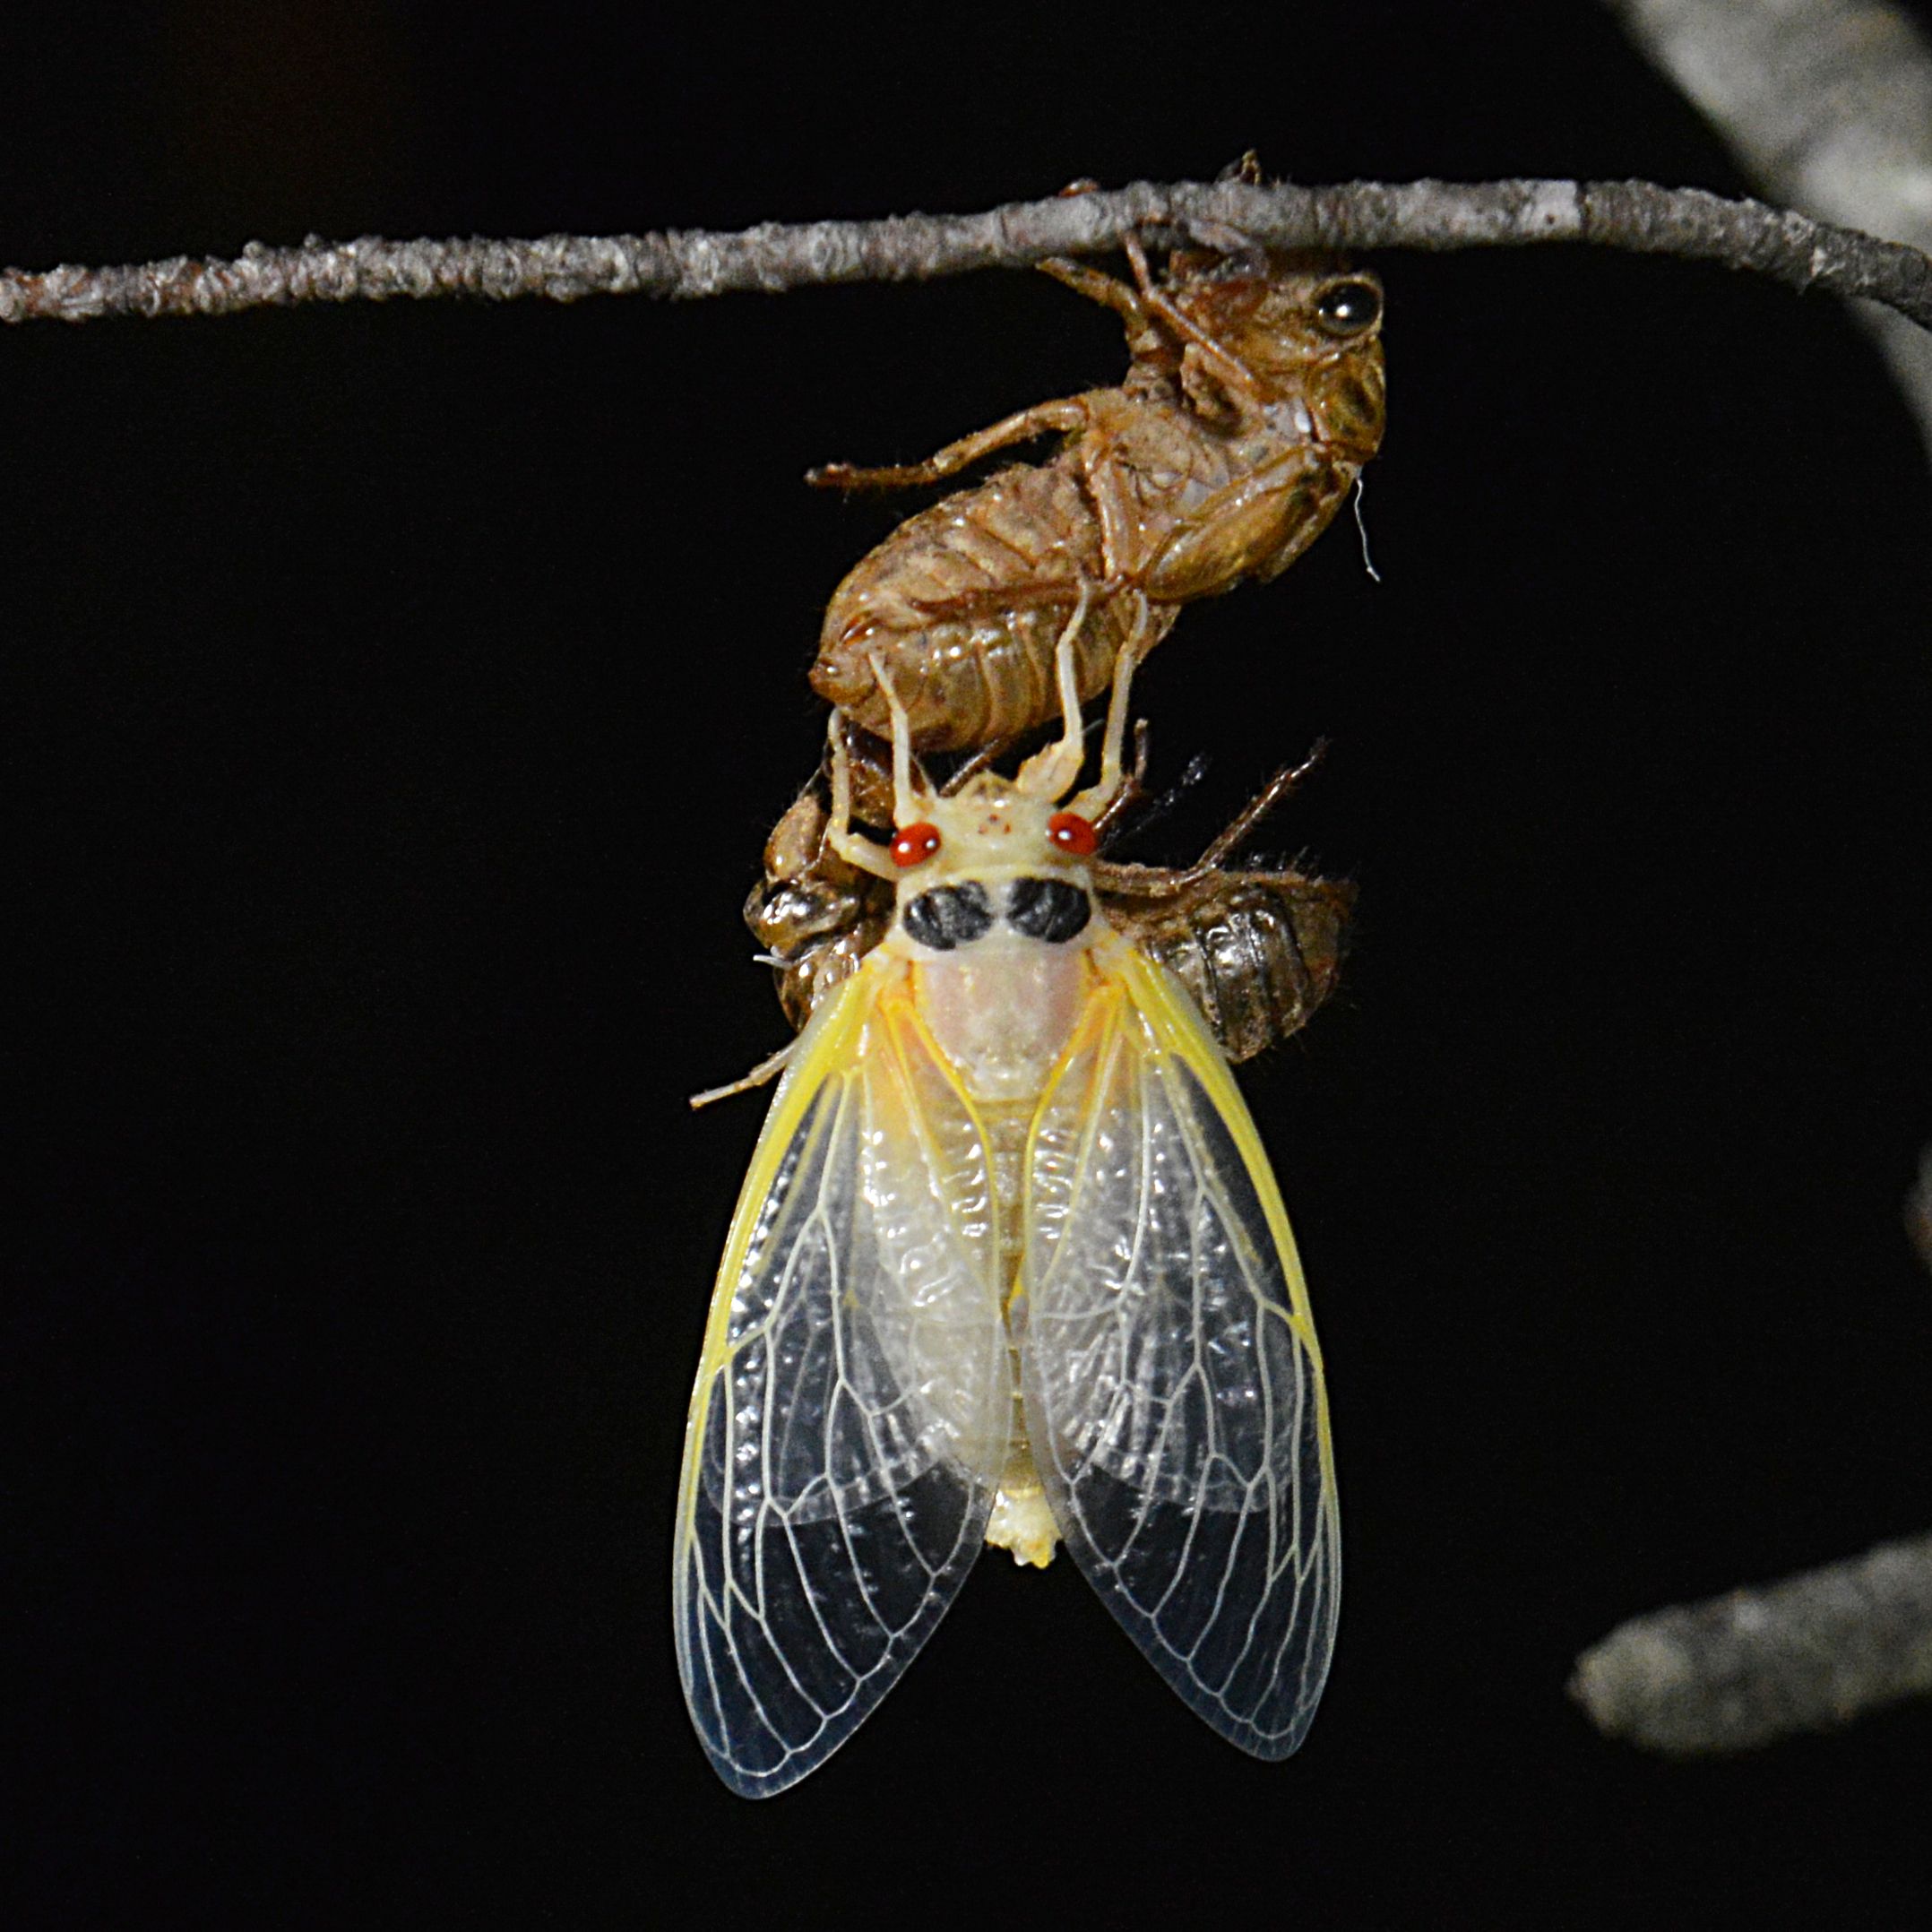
[{"x": 398, "y": 699}]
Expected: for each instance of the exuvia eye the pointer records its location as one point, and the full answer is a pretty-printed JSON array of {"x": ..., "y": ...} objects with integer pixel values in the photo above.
[{"x": 1349, "y": 307}]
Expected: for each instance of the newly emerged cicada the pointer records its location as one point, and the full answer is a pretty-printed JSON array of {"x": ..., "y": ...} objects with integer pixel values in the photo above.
[
  {"x": 1255, "y": 397},
  {"x": 1260, "y": 948},
  {"x": 1009, "y": 1268}
]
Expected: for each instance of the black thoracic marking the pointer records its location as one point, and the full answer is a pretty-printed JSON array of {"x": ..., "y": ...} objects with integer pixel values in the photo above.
[
  {"x": 949, "y": 916},
  {"x": 1046, "y": 908}
]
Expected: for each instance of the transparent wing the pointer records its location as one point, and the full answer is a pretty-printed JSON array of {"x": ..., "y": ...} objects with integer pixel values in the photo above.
[
  {"x": 853, "y": 1400},
  {"x": 1172, "y": 1382}
]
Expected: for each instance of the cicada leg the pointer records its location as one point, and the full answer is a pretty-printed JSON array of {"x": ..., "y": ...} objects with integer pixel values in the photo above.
[
  {"x": 767, "y": 1069},
  {"x": 1158, "y": 883},
  {"x": 1052, "y": 772},
  {"x": 1134, "y": 786},
  {"x": 1061, "y": 417},
  {"x": 1146, "y": 341},
  {"x": 839, "y": 836},
  {"x": 1227, "y": 365},
  {"x": 1098, "y": 285},
  {"x": 1092, "y": 803},
  {"x": 905, "y": 792},
  {"x": 1284, "y": 781},
  {"x": 982, "y": 760}
]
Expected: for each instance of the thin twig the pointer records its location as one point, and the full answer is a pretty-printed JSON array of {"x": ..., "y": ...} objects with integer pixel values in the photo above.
[
  {"x": 1807, "y": 1653},
  {"x": 1632, "y": 215}
]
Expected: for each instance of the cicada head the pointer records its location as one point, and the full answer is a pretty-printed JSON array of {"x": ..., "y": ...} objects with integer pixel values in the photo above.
[
  {"x": 992, "y": 829},
  {"x": 1307, "y": 327}
]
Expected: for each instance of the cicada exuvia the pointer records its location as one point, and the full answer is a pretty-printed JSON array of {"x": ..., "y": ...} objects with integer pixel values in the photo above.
[
  {"x": 1255, "y": 395},
  {"x": 1009, "y": 1269}
]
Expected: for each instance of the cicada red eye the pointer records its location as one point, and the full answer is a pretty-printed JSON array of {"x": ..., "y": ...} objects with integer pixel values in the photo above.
[
  {"x": 1073, "y": 833},
  {"x": 914, "y": 844}
]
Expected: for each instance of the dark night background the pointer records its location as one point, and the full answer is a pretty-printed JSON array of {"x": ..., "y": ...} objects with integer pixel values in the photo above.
[{"x": 397, "y": 699}]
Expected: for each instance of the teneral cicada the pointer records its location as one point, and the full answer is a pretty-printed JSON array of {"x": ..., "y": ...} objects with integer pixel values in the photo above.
[
  {"x": 1260, "y": 948},
  {"x": 1255, "y": 397},
  {"x": 1009, "y": 1268}
]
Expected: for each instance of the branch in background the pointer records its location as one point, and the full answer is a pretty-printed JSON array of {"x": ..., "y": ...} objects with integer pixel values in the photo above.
[
  {"x": 1919, "y": 1210},
  {"x": 1630, "y": 215},
  {"x": 1826, "y": 104},
  {"x": 1808, "y": 1653},
  {"x": 1805, "y": 1655}
]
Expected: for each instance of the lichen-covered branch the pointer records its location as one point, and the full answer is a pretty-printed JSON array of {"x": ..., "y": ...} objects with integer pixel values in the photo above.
[
  {"x": 1632, "y": 215},
  {"x": 1827, "y": 105},
  {"x": 1738, "y": 1670}
]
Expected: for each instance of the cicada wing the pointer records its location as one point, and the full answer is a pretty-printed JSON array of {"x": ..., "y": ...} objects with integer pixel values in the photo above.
[
  {"x": 1172, "y": 1382},
  {"x": 853, "y": 1402}
]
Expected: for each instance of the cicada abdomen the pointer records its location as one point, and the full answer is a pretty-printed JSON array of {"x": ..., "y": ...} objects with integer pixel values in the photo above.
[
  {"x": 964, "y": 602},
  {"x": 1259, "y": 951}
]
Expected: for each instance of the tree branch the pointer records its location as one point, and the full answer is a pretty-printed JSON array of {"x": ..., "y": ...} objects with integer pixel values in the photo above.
[
  {"x": 1808, "y": 1653},
  {"x": 1827, "y": 105},
  {"x": 1632, "y": 215}
]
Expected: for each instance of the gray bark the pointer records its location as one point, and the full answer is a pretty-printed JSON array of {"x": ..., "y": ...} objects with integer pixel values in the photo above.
[
  {"x": 1807, "y": 1653},
  {"x": 1633, "y": 215}
]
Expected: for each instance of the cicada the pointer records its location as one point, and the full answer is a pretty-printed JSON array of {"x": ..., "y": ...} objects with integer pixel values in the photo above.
[
  {"x": 1256, "y": 396},
  {"x": 1009, "y": 1269}
]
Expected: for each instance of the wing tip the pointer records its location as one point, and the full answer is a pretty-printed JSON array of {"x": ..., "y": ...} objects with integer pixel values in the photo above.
[{"x": 754, "y": 1785}]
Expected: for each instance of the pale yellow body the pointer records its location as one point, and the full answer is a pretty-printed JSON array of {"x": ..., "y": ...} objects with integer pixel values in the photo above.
[{"x": 1003, "y": 1015}]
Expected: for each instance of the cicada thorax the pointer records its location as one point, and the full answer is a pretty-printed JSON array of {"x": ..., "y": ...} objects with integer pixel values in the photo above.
[
  {"x": 1289, "y": 399},
  {"x": 1256, "y": 396}
]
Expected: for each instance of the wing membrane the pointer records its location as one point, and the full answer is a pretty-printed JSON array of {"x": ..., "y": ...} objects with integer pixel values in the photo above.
[
  {"x": 1172, "y": 1382},
  {"x": 853, "y": 1401}
]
